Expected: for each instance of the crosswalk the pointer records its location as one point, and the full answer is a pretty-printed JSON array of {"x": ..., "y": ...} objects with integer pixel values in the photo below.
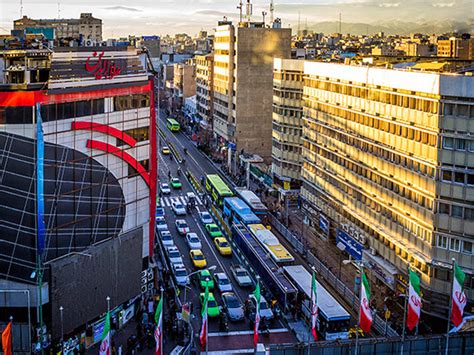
[{"x": 167, "y": 200}]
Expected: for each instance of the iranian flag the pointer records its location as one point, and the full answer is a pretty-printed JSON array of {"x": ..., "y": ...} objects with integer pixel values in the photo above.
[
  {"x": 365, "y": 314},
  {"x": 414, "y": 301},
  {"x": 159, "y": 328},
  {"x": 459, "y": 297},
  {"x": 105, "y": 344},
  {"x": 314, "y": 307},
  {"x": 256, "y": 293},
  {"x": 203, "y": 334}
]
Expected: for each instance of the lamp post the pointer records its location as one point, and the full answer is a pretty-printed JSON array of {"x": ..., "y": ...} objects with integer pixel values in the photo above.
[
  {"x": 207, "y": 322},
  {"x": 210, "y": 268},
  {"x": 61, "y": 309}
]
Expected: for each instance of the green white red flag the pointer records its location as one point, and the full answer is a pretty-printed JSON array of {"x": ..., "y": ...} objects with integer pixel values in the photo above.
[
  {"x": 314, "y": 307},
  {"x": 105, "y": 343},
  {"x": 203, "y": 335},
  {"x": 414, "y": 300},
  {"x": 365, "y": 314},
  {"x": 256, "y": 293},
  {"x": 458, "y": 296},
  {"x": 159, "y": 328}
]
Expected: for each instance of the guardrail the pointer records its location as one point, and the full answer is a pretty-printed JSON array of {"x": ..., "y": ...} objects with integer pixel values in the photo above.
[
  {"x": 194, "y": 182},
  {"x": 352, "y": 299}
]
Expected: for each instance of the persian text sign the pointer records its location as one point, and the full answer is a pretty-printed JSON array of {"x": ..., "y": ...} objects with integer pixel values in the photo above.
[{"x": 103, "y": 68}]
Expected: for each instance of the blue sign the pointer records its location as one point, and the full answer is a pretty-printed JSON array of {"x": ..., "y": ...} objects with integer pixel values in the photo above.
[
  {"x": 232, "y": 146},
  {"x": 353, "y": 247},
  {"x": 324, "y": 223}
]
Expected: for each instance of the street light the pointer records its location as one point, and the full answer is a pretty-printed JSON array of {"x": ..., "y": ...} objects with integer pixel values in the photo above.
[
  {"x": 61, "y": 309},
  {"x": 210, "y": 268}
]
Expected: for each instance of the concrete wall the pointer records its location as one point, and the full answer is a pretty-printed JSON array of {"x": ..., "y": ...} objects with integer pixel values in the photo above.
[{"x": 256, "y": 48}]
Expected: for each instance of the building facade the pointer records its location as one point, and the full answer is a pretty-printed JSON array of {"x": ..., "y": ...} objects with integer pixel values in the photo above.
[
  {"x": 184, "y": 83},
  {"x": 204, "y": 86},
  {"x": 99, "y": 180},
  {"x": 388, "y": 170},
  {"x": 287, "y": 123},
  {"x": 87, "y": 27},
  {"x": 459, "y": 48},
  {"x": 243, "y": 80}
]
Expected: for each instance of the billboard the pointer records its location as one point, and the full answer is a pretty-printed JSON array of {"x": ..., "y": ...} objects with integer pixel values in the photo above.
[{"x": 352, "y": 246}]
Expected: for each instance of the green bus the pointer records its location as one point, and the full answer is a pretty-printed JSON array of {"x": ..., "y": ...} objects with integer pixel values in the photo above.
[
  {"x": 172, "y": 125},
  {"x": 217, "y": 188}
]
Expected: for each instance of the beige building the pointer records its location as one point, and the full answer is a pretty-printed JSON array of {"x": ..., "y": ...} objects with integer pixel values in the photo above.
[
  {"x": 184, "y": 83},
  {"x": 204, "y": 86},
  {"x": 388, "y": 161},
  {"x": 287, "y": 123},
  {"x": 88, "y": 26},
  {"x": 456, "y": 48},
  {"x": 243, "y": 77}
]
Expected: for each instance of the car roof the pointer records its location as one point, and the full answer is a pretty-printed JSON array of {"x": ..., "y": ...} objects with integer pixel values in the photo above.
[
  {"x": 262, "y": 299},
  {"x": 205, "y": 212},
  {"x": 192, "y": 234},
  {"x": 202, "y": 294},
  {"x": 196, "y": 251},
  {"x": 221, "y": 274},
  {"x": 211, "y": 225},
  {"x": 220, "y": 239},
  {"x": 179, "y": 266},
  {"x": 172, "y": 247},
  {"x": 229, "y": 294},
  {"x": 180, "y": 221},
  {"x": 205, "y": 271}
]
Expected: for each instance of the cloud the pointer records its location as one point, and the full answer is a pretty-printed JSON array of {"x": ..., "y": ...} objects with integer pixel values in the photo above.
[
  {"x": 389, "y": 4},
  {"x": 124, "y": 8},
  {"x": 211, "y": 13},
  {"x": 449, "y": 4}
]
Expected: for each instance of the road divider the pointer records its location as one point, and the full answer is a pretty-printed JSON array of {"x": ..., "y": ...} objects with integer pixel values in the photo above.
[{"x": 194, "y": 181}]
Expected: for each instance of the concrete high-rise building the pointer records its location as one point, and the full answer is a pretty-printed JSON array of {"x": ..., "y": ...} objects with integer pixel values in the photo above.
[
  {"x": 204, "y": 86},
  {"x": 388, "y": 167},
  {"x": 287, "y": 123},
  {"x": 459, "y": 48},
  {"x": 243, "y": 84},
  {"x": 87, "y": 26}
]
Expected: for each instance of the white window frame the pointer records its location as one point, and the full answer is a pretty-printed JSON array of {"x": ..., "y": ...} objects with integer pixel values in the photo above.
[
  {"x": 440, "y": 238},
  {"x": 454, "y": 241}
]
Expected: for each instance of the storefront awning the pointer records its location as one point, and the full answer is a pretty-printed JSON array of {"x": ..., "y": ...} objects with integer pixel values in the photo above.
[{"x": 381, "y": 268}]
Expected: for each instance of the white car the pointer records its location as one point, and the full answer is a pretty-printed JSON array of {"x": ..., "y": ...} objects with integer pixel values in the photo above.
[
  {"x": 166, "y": 238},
  {"x": 174, "y": 255},
  {"x": 193, "y": 241},
  {"x": 180, "y": 274},
  {"x": 161, "y": 224},
  {"x": 222, "y": 282},
  {"x": 178, "y": 208},
  {"x": 165, "y": 188},
  {"x": 205, "y": 218},
  {"x": 182, "y": 226},
  {"x": 265, "y": 311}
]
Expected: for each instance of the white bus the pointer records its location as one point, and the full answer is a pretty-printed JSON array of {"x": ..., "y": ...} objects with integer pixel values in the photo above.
[
  {"x": 256, "y": 205},
  {"x": 333, "y": 319},
  {"x": 271, "y": 243}
]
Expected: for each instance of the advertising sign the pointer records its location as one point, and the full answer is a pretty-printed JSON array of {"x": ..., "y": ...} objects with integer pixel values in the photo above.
[
  {"x": 353, "y": 247},
  {"x": 324, "y": 223}
]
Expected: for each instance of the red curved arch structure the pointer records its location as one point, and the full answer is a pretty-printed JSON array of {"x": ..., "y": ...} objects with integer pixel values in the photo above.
[
  {"x": 108, "y": 148},
  {"x": 102, "y": 128}
]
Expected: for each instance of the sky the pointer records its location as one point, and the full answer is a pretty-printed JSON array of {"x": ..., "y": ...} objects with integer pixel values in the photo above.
[{"x": 148, "y": 17}]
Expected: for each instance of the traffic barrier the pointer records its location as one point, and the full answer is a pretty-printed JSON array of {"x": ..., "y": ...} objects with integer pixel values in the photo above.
[{"x": 192, "y": 179}]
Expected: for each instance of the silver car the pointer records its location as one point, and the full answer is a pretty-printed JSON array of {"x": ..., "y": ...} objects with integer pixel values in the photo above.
[
  {"x": 180, "y": 274},
  {"x": 193, "y": 241},
  {"x": 265, "y": 311},
  {"x": 223, "y": 282},
  {"x": 166, "y": 238},
  {"x": 178, "y": 208},
  {"x": 205, "y": 218},
  {"x": 232, "y": 307},
  {"x": 165, "y": 188},
  {"x": 174, "y": 255}
]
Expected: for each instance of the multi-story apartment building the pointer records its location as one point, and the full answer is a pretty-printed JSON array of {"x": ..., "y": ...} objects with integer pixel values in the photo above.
[
  {"x": 388, "y": 164},
  {"x": 287, "y": 123},
  {"x": 87, "y": 26},
  {"x": 92, "y": 111},
  {"x": 243, "y": 77},
  {"x": 184, "y": 83},
  {"x": 459, "y": 48},
  {"x": 204, "y": 86}
]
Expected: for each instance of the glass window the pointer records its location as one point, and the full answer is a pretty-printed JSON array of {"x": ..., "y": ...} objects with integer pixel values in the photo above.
[
  {"x": 443, "y": 208},
  {"x": 467, "y": 247},
  {"x": 456, "y": 211},
  {"x": 470, "y": 145},
  {"x": 469, "y": 214},
  {"x": 470, "y": 179},
  {"x": 454, "y": 244},
  {"x": 448, "y": 143},
  {"x": 460, "y": 144},
  {"x": 16, "y": 114},
  {"x": 459, "y": 177},
  {"x": 447, "y": 175},
  {"x": 442, "y": 241}
]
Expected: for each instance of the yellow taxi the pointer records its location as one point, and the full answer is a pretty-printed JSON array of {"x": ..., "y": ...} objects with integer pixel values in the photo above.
[
  {"x": 198, "y": 258},
  {"x": 223, "y": 246},
  {"x": 165, "y": 150}
]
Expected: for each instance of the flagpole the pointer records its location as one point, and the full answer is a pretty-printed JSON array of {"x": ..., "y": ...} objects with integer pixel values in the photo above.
[
  {"x": 359, "y": 265},
  {"x": 405, "y": 313},
  {"x": 162, "y": 317},
  {"x": 453, "y": 261},
  {"x": 108, "y": 303},
  {"x": 311, "y": 311},
  {"x": 207, "y": 316}
]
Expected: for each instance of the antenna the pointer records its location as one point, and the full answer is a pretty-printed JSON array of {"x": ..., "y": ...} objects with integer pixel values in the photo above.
[
  {"x": 21, "y": 8},
  {"x": 248, "y": 10},
  {"x": 240, "y": 7},
  {"x": 298, "y": 33},
  {"x": 271, "y": 12},
  {"x": 59, "y": 9},
  {"x": 340, "y": 23},
  {"x": 264, "y": 13}
]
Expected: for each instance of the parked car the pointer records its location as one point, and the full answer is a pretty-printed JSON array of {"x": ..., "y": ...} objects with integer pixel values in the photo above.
[
  {"x": 174, "y": 255},
  {"x": 232, "y": 306},
  {"x": 223, "y": 246},
  {"x": 198, "y": 258},
  {"x": 205, "y": 218},
  {"x": 180, "y": 274},
  {"x": 213, "y": 230},
  {"x": 212, "y": 305},
  {"x": 265, "y": 310},
  {"x": 178, "y": 208},
  {"x": 165, "y": 188},
  {"x": 241, "y": 275},
  {"x": 161, "y": 223},
  {"x": 166, "y": 238},
  {"x": 193, "y": 241},
  {"x": 175, "y": 183},
  {"x": 159, "y": 211},
  {"x": 223, "y": 283},
  {"x": 181, "y": 226}
]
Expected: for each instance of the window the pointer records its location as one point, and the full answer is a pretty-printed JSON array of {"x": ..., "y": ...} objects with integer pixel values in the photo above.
[
  {"x": 470, "y": 179},
  {"x": 454, "y": 244},
  {"x": 456, "y": 211},
  {"x": 16, "y": 114},
  {"x": 469, "y": 214},
  {"x": 467, "y": 247},
  {"x": 459, "y": 177},
  {"x": 448, "y": 143},
  {"x": 460, "y": 144},
  {"x": 447, "y": 175},
  {"x": 470, "y": 145},
  {"x": 442, "y": 242},
  {"x": 139, "y": 134},
  {"x": 443, "y": 208}
]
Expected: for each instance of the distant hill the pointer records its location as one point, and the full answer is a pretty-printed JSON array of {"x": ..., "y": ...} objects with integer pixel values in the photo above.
[{"x": 392, "y": 27}]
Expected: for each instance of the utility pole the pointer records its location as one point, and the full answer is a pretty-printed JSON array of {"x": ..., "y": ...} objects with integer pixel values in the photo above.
[
  {"x": 240, "y": 7},
  {"x": 272, "y": 9},
  {"x": 340, "y": 23},
  {"x": 264, "y": 13}
]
